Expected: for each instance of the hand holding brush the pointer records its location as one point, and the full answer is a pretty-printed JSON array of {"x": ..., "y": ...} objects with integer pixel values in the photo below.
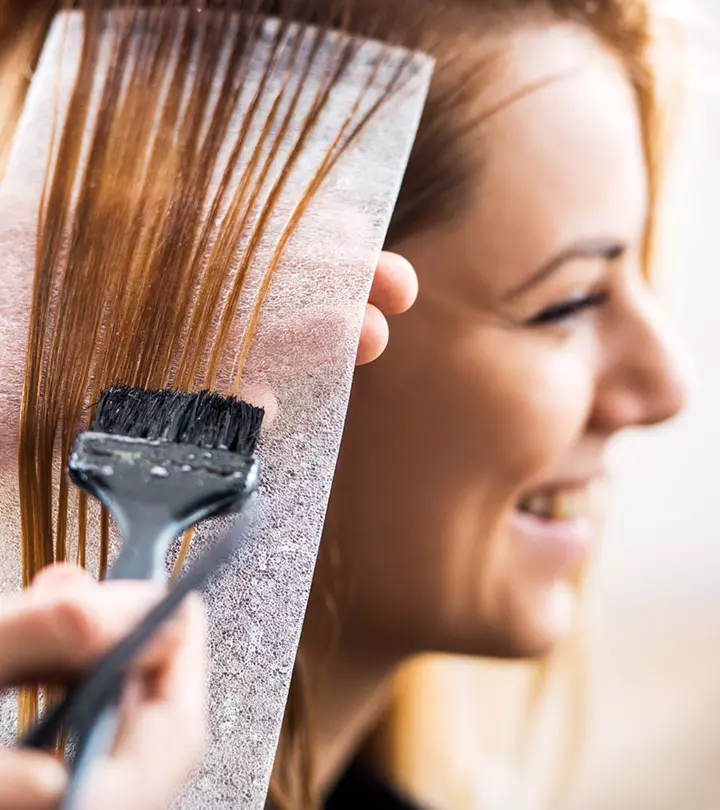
[
  {"x": 52, "y": 633},
  {"x": 160, "y": 461}
]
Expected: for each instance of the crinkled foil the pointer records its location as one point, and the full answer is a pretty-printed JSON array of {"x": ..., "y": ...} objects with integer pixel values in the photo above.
[{"x": 302, "y": 357}]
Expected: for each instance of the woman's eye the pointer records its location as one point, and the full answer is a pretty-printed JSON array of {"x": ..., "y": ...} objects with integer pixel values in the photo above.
[{"x": 566, "y": 310}]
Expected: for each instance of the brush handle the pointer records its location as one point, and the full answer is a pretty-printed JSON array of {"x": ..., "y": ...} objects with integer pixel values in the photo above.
[
  {"x": 154, "y": 491},
  {"x": 99, "y": 739},
  {"x": 95, "y": 744},
  {"x": 81, "y": 701},
  {"x": 144, "y": 549},
  {"x": 147, "y": 529},
  {"x": 142, "y": 557}
]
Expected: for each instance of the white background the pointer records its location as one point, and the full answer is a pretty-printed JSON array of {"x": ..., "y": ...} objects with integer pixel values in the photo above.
[{"x": 654, "y": 730}]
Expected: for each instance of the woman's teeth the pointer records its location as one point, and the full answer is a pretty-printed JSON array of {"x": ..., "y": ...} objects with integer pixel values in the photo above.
[{"x": 566, "y": 505}]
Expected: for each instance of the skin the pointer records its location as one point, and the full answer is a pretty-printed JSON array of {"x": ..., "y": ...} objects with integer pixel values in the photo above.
[
  {"x": 394, "y": 291},
  {"x": 481, "y": 398}
]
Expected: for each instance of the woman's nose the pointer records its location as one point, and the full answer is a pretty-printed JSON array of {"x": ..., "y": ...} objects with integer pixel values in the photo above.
[{"x": 646, "y": 374}]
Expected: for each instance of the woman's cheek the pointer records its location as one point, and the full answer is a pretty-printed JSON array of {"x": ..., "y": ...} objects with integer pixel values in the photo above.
[
  {"x": 525, "y": 406},
  {"x": 558, "y": 400}
]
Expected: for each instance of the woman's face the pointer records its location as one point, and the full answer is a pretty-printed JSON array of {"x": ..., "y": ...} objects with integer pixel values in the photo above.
[{"x": 462, "y": 503}]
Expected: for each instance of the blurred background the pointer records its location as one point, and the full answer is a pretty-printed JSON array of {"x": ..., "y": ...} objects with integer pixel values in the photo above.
[
  {"x": 653, "y": 738},
  {"x": 650, "y": 670}
]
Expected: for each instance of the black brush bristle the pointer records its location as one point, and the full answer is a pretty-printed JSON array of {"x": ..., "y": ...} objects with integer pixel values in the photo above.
[{"x": 206, "y": 420}]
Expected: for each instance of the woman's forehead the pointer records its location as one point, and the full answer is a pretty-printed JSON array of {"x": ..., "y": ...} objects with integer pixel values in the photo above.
[{"x": 564, "y": 161}]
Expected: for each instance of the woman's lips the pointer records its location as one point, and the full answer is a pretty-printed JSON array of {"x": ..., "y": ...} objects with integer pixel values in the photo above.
[
  {"x": 553, "y": 531},
  {"x": 552, "y": 546}
]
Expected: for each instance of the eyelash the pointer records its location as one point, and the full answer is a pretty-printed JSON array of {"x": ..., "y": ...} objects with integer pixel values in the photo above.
[{"x": 567, "y": 310}]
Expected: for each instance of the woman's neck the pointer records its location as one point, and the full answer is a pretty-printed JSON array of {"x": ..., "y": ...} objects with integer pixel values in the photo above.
[
  {"x": 350, "y": 690},
  {"x": 349, "y": 667}
]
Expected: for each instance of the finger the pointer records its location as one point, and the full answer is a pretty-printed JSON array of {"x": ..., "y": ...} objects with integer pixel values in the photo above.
[
  {"x": 163, "y": 644},
  {"x": 56, "y": 632},
  {"x": 175, "y": 702},
  {"x": 153, "y": 657},
  {"x": 30, "y": 780},
  {"x": 395, "y": 286},
  {"x": 60, "y": 574},
  {"x": 163, "y": 728},
  {"x": 374, "y": 336},
  {"x": 261, "y": 395}
]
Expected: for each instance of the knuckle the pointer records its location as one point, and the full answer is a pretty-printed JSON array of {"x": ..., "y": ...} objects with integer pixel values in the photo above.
[
  {"x": 58, "y": 574},
  {"x": 78, "y": 624}
]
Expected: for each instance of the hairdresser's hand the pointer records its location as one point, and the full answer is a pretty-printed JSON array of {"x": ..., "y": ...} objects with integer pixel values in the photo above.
[
  {"x": 51, "y": 633},
  {"x": 394, "y": 291}
]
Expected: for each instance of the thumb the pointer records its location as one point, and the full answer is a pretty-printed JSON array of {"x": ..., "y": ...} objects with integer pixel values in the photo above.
[{"x": 30, "y": 780}]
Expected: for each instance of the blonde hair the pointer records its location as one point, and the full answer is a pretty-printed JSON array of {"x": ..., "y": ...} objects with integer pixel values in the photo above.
[
  {"x": 121, "y": 252},
  {"x": 129, "y": 199}
]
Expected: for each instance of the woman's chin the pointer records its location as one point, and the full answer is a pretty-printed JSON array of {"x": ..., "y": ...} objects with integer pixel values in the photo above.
[
  {"x": 532, "y": 624},
  {"x": 550, "y": 617},
  {"x": 527, "y": 625}
]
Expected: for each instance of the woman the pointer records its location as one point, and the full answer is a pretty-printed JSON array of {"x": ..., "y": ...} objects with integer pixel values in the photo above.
[{"x": 460, "y": 513}]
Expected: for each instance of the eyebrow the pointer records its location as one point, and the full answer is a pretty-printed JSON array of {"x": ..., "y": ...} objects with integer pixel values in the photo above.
[{"x": 607, "y": 248}]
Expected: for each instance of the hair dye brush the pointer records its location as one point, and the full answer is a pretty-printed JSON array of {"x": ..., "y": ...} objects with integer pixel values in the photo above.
[{"x": 160, "y": 461}]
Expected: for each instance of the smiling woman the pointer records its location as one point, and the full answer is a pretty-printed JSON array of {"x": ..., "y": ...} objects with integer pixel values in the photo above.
[
  {"x": 461, "y": 513},
  {"x": 520, "y": 376}
]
